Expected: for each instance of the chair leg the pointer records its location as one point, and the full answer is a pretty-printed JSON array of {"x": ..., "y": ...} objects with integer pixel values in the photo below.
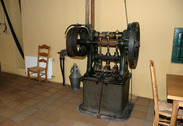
[
  {"x": 46, "y": 77},
  {"x": 156, "y": 120},
  {"x": 175, "y": 110},
  {"x": 39, "y": 78},
  {"x": 28, "y": 75}
]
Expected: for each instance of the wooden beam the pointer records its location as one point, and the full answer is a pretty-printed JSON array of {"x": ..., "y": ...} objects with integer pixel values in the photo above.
[
  {"x": 86, "y": 11},
  {"x": 93, "y": 14}
]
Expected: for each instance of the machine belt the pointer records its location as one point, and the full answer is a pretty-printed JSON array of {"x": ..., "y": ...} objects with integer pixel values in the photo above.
[{"x": 12, "y": 30}]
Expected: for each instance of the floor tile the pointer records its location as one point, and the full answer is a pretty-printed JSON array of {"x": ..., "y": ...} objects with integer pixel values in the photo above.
[
  {"x": 148, "y": 123},
  {"x": 29, "y": 111},
  {"x": 8, "y": 113},
  {"x": 30, "y": 102},
  {"x": 46, "y": 94},
  {"x": 85, "y": 118},
  {"x": 29, "y": 121},
  {"x": 61, "y": 111},
  {"x": 63, "y": 122},
  {"x": 42, "y": 123},
  {"x": 151, "y": 103},
  {"x": 7, "y": 123},
  {"x": 39, "y": 98},
  {"x": 72, "y": 115},
  {"x": 23, "y": 93},
  {"x": 142, "y": 101},
  {"x": 10, "y": 103},
  {"x": 65, "y": 98},
  {"x": 31, "y": 95},
  {"x": 150, "y": 117},
  {"x": 3, "y": 108},
  {"x": 49, "y": 108},
  {"x": 2, "y": 119},
  {"x": 48, "y": 100},
  {"x": 40, "y": 105},
  {"x": 40, "y": 114},
  {"x": 140, "y": 108},
  {"x": 68, "y": 105},
  {"x": 18, "y": 117},
  {"x": 21, "y": 99},
  {"x": 138, "y": 114},
  {"x": 117, "y": 123},
  {"x": 99, "y": 122},
  {"x": 150, "y": 110},
  {"x": 13, "y": 97},
  {"x": 53, "y": 90},
  {"x": 135, "y": 121},
  {"x": 54, "y": 96},
  {"x": 58, "y": 103},
  {"x": 75, "y": 101},
  {"x": 76, "y": 123},
  {"x": 19, "y": 107},
  {"x": 51, "y": 118}
]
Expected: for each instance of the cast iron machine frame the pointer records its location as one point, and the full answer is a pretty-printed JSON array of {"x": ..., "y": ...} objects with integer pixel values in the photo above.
[{"x": 105, "y": 89}]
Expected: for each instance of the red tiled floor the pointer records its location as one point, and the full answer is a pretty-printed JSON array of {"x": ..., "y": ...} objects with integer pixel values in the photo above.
[{"x": 56, "y": 105}]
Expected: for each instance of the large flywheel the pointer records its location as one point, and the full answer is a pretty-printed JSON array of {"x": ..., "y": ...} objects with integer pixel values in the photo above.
[
  {"x": 76, "y": 41},
  {"x": 134, "y": 44}
]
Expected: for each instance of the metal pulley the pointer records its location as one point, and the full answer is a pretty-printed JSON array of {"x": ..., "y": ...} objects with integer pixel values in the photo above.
[
  {"x": 76, "y": 40},
  {"x": 134, "y": 44}
]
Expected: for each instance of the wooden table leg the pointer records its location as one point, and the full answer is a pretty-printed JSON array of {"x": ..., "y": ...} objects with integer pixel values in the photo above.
[{"x": 175, "y": 109}]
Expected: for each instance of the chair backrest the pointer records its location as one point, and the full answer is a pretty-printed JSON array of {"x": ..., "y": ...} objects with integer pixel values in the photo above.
[
  {"x": 43, "y": 54},
  {"x": 154, "y": 86}
]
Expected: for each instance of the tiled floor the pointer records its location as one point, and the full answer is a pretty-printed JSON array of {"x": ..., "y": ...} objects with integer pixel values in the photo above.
[{"x": 55, "y": 105}]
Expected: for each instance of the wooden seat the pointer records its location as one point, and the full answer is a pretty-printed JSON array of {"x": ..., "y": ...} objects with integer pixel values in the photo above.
[
  {"x": 43, "y": 57},
  {"x": 161, "y": 108}
]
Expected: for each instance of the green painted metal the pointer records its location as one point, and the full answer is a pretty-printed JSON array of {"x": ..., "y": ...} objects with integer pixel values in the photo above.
[{"x": 177, "y": 52}]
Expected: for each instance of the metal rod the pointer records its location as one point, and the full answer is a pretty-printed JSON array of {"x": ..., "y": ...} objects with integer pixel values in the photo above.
[
  {"x": 100, "y": 49},
  {"x": 108, "y": 48},
  {"x": 126, "y": 13},
  {"x": 104, "y": 43},
  {"x": 100, "y": 101},
  {"x": 104, "y": 57},
  {"x": 111, "y": 35},
  {"x": 116, "y": 47}
]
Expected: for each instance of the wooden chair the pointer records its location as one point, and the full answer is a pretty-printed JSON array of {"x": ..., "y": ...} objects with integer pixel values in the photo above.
[
  {"x": 43, "y": 57},
  {"x": 161, "y": 108}
]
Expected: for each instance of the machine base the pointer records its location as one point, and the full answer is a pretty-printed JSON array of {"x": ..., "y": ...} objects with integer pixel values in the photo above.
[{"x": 128, "y": 110}]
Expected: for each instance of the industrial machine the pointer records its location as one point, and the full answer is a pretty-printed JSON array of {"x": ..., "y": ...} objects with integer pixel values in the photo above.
[{"x": 106, "y": 81}]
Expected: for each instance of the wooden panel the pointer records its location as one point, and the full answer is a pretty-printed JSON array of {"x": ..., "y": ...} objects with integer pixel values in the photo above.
[
  {"x": 44, "y": 47},
  {"x": 174, "y": 87},
  {"x": 42, "y": 60},
  {"x": 43, "y": 54}
]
